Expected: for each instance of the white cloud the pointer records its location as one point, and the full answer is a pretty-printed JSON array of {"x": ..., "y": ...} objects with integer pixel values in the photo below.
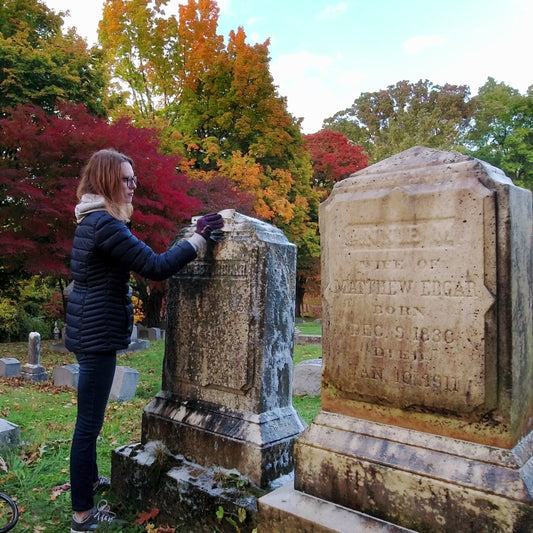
[
  {"x": 418, "y": 44},
  {"x": 301, "y": 64},
  {"x": 81, "y": 15},
  {"x": 315, "y": 87},
  {"x": 253, "y": 37},
  {"x": 332, "y": 12},
  {"x": 223, "y": 5},
  {"x": 351, "y": 78}
]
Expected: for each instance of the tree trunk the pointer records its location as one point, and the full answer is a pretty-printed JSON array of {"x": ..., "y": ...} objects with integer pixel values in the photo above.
[
  {"x": 152, "y": 297},
  {"x": 300, "y": 293}
]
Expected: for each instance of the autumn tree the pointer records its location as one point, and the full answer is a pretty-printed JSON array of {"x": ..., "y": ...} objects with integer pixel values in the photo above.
[
  {"x": 224, "y": 115},
  {"x": 502, "y": 130},
  {"x": 235, "y": 122},
  {"x": 219, "y": 106},
  {"x": 404, "y": 115},
  {"x": 41, "y": 64},
  {"x": 334, "y": 158},
  {"x": 40, "y": 160}
]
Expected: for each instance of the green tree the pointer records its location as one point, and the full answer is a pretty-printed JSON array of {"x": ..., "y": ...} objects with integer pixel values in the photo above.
[
  {"x": 404, "y": 115},
  {"x": 24, "y": 307},
  {"x": 502, "y": 130},
  {"x": 141, "y": 49},
  {"x": 40, "y": 64}
]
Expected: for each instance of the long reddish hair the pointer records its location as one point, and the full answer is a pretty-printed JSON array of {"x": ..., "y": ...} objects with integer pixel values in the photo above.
[{"x": 102, "y": 175}]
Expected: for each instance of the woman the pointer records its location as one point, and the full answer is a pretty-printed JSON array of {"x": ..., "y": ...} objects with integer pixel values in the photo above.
[{"x": 100, "y": 312}]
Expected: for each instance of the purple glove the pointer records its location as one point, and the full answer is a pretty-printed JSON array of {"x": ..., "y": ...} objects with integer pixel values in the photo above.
[{"x": 208, "y": 223}]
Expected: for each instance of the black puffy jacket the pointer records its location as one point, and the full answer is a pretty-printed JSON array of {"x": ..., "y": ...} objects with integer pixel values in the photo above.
[{"x": 104, "y": 251}]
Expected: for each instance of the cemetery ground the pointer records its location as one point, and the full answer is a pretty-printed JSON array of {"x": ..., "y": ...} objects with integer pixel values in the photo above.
[{"x": 36, "y": 473}]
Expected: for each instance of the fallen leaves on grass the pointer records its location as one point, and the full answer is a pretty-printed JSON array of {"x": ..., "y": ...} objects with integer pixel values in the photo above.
[
  {"x": 47, "y": 386},
  {"x": 33, "y": 454},
  {"x": 58, "y": 490}
]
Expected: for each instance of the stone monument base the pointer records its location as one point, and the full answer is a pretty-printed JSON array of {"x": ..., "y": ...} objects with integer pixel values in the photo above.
[
  {"x": 257, "y": 444},
  {"x": 60, "y": 347},
  {"x": 286, "y": 510},
  {"x": 418, "y": 480},
  {"x": 187, "y": 495},
  {"x": 34, "y": 372}
]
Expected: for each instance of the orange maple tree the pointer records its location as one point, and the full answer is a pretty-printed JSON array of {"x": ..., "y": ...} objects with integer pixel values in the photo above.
[{"x": 234, "y": 122}]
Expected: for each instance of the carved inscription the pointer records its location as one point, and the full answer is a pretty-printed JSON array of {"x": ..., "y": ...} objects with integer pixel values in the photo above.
[
  {"x": 394, "y": 287},
  {"x": 406, "y": 302},
  {"x": 403, "y": 234},
  {"x": 215, "y": 269},
  {"x": 216, "y": 297}
]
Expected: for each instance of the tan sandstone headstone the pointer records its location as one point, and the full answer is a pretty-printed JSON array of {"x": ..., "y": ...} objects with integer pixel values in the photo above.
[
  {"x": 427, "y": 300},
  {"x": 427, "y": 347}
]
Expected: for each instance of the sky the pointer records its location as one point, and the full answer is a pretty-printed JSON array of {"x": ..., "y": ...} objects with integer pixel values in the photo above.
[{"x": 326, "y": 53}]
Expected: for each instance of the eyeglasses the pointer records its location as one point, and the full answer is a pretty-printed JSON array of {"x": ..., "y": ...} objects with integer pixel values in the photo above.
[{"x": 131, "y": 181}]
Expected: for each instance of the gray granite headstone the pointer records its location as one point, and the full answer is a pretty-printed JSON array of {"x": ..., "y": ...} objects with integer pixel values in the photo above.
[
  {"x": 9, "y": 434},
  {"x": 307, "y": 378},
  {"x": 66, "y": 375},
  {"x": 9, "y": 367},
  {"x": 124, "y": 384},
  {"x": 228, "y": 358},
  {"x": 154, "y": 334}
]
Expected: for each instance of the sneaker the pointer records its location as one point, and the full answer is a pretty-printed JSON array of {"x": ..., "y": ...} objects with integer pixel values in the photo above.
[
  {"x": 101, "y": 484},
  {"x": 100, "y": 515}
]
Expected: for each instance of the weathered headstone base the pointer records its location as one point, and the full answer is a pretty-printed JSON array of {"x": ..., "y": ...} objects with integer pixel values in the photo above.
[
  {"x": 417, "y": 480},
  {"x": 286, "y": 510},
  {"x": 34, "y": 372},
  {"x": 187, "y": 495},
  {"x": 259, "y": 445}
]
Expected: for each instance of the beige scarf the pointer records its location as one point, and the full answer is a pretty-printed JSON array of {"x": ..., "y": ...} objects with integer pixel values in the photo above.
[{"x": 89, "y": 203}]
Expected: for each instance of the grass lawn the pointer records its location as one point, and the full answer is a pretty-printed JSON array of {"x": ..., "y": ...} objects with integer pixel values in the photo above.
[
  {"x": 35, "y": 473},
  {"x": 310, "y": 327}
]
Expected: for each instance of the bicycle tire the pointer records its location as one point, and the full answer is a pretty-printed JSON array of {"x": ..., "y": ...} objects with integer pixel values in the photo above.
[{"x": 15, "y": 514}]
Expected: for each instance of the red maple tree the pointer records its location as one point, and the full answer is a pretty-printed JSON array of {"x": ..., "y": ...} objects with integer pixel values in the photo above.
[
  {"x": 41, "y": 156},
  {"x": 334, "y": 158},
  {"x": 40, "y": 164}
]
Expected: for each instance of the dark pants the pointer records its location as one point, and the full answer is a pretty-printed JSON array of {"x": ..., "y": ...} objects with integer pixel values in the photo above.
[{"x": 97, "y": 371}]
